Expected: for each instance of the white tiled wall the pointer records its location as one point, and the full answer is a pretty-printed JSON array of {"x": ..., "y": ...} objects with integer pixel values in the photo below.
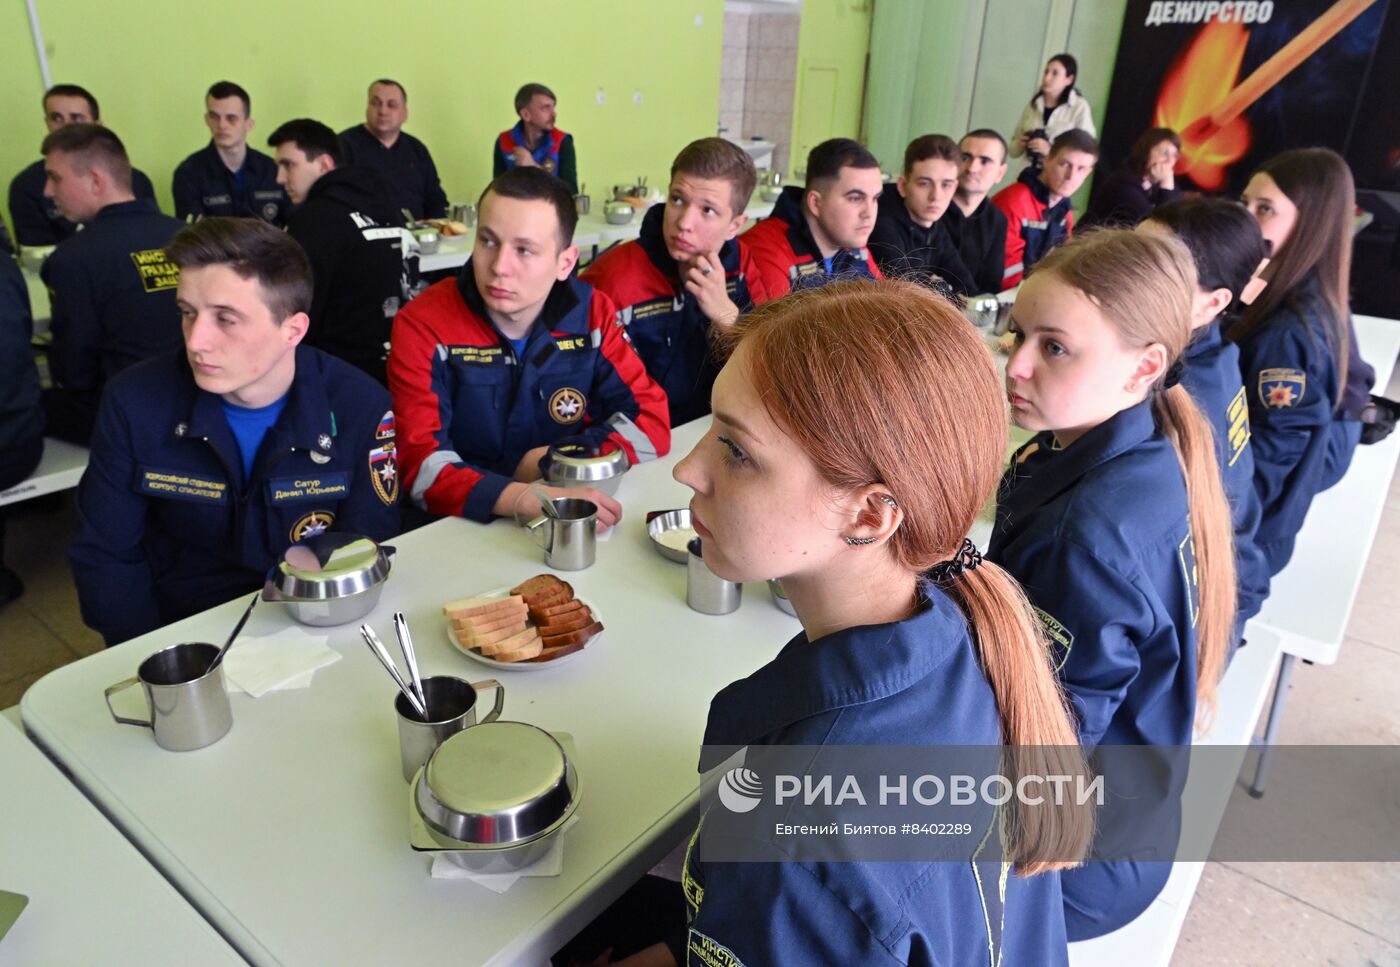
[{"x": 759, "y": 78}]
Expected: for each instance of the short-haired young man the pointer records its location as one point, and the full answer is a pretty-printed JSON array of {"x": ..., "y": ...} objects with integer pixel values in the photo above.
[
  {"x": 535, "y": 142},
  {"x": 818, "y": 233},
  {"x": 111, "y": 287},
  {"x": 227, "y": 177},
  {"x": 209, "y": 461},
  {"x": 1037, "y": 207},
  {"x": 910, "y": 239},
  {"x": 381, "y": 143},
  {"x": 978, "y": 227},
  {"x": 364, "y": 262},
  {"x": 491, "y": 368},
  {"x": 37, "y": 220},
  {"x": 687, "y": 274}
]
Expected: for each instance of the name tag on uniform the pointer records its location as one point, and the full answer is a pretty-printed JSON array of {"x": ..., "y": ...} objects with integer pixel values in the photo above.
[
  {"x": 290, "y": 490},
  {"x": 656, "y": 307},
  {"x": 268, "y": 195},
  {"x": 183, "y": 486},
  {"x": 212, "y": 200},
  {"x": 572, "y": 343},
  {"x": 475, "y": 354}
]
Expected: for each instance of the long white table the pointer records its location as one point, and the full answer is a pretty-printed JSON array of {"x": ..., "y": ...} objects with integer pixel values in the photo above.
[
  {"x": 60, "y": 468},
  {"x": 92, "y": 898},
  {"x": 594, "y": 230},
  {"x": 291, "y": 833}
]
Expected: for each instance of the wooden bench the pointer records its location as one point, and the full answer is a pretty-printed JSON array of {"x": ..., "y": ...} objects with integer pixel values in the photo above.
[{"x": 61, "y": 468}]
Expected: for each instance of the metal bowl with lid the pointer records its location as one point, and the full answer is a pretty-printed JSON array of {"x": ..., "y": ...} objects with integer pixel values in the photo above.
[
  {"x": 330, "y": 578},
  {"x": 495, "y": 793},
  {"x": 579, "y": 462}
]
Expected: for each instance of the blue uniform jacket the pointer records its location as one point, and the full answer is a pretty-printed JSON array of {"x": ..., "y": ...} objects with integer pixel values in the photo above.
[
  {"x": 37, "y": 219},
  {"x": 1302, "y": 441},
  {"x": 168, "y": 526},
  {"x": 1212, "y": 377},
  {"x": 917, "y": 681},
  {"x": 203, "y": 185}
]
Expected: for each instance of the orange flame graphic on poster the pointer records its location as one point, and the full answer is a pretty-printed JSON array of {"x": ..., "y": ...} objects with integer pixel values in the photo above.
[{"x": 1200, "y": 78}]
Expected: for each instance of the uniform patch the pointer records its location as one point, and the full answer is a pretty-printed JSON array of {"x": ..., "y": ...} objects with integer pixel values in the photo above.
[
  {"x": 157, "y": 272},
  {"x": 384, "y": 473},
  {"x": 1282, "y": 388},
  {"x": 324, "y": 441},
  {"x": 1186, "y": 556},
  {"x": 703, "y": 949},
  {"x": 316, "y": 522},
  {"x": 269, "y": 211},
  {"x": 385, "y": 430},
  {"x": 1061, "y": 638},
  {"x": 567, "y": 405},
  {"x": 1026, "y": 453},
  {"x": 1237, "y": 415},
  {"x": 183, "y": 486},
  {"x": 548, "y": 165},
  {"x": 291, "y": 490},
  {"x": 181, "y": 429},
  {"x": 571, "y": 342}
]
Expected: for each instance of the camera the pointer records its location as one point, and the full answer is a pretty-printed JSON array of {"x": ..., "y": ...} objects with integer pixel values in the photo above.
[{"x": 1035, "y": 158}]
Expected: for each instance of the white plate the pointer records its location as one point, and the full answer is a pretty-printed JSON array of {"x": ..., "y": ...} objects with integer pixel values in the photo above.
[{"x": 523, "y": 666}]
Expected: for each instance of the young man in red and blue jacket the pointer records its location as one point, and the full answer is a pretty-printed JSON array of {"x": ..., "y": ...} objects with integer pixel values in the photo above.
[
  {"x": 688, "y": 274},
  {"x": 817, "y": 234},
  {"x": 535, "y": 142},
  {"x": 489, "y": 369},
  {"x": 1037, "y": 207}
]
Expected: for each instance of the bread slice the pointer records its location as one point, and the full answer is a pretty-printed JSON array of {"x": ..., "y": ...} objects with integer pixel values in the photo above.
[
  {"x": 490, "y": 622},
  {"x": 543, "y": 612},
  {"x": 481, "y": 639},
  {"x": 579, "y": 637},
  {"x": 523, "y": 653},
  {"x": 550, "y": 596},
  {"x": 549, "y": 654},
  {"x": 509, "y": 643},
  {"x": 572, "y": 621},
  {"x": 536, "y": 584},
  {"x": 471, "y": 607}
]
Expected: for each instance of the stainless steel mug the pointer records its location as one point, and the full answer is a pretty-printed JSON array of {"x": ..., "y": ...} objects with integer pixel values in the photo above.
[
  {"x": 187, "y": 703},
  {"x": 466, "y": 214},
  {"x": 582, "y": 204},
  {"x": 451, "y": 708},
  {"x": 705, "y": 591},
  {"x": 570, "y": 538}
]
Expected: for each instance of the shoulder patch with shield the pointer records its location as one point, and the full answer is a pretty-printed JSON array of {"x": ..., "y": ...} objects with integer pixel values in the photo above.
[
  {"x": 1282, "y": 388},
  {"x": 384, "y": 473}
]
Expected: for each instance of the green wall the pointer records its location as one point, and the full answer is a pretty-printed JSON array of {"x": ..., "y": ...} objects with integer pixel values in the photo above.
[
  {"x": 831, "y": 51},
  {"x": 150, "y": 63}
]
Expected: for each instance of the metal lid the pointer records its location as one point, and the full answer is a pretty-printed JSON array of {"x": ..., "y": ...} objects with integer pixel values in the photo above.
[
  {"x": 580, "y": 459},
  {"x": 328, "y": 565},
  {"x": 497, "y": 784}
]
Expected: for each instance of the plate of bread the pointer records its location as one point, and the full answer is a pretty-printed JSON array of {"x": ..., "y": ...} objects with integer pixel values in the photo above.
[{"x": 538, "y": 623}]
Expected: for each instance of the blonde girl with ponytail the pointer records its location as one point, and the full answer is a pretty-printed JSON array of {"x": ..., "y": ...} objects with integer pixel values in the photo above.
[
  {"x": 1114, "y": 520},
  {"x": 857, "y": 430}
]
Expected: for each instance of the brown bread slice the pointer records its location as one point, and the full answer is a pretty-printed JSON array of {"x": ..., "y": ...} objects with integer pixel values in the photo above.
[
  {"x": 536, "y": 584},
  {"x": 579, "y": 637},
  {"x": 542, "y": 612},
  {"x": 556, "y": 595},
  {"x": 549, "y": 654},
  {"x": 572, "y": 621}
]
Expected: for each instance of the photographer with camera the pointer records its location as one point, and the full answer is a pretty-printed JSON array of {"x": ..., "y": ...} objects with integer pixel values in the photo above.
[{"x": 1056, "y": 108}]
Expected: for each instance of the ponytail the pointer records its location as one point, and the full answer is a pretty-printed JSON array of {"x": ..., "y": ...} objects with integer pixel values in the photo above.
[
  {"x": 1038, "y": 738},
  {"x": 1213, "y": 535}
]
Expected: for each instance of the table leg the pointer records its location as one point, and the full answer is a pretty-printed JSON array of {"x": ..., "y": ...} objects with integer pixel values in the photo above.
[{"x": 1266, "y": 753}]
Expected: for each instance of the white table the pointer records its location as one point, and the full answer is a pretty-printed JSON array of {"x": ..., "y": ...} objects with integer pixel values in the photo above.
[
  {"x": 311, "y": 863},
  {"x": 60, "y": 468},
  {"x": 593, "y": 231},
  {"x": 92, "y": 898}
]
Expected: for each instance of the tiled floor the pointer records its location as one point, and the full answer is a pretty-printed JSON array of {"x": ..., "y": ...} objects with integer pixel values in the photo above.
[{"x": 1243, "y": 914}]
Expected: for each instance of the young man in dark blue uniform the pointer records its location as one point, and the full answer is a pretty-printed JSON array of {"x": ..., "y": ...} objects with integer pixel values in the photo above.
[
  {"x": 382, "y": 144},
  {"x": 208, "y": 462},
  {"x": 818, "y": 233},
  {"x": 491, "y": 368},
  {"x": 688, "y": 274},
  {"x": 21, "y": 413},
  {"x": 112, "y": 289},
  {"x": 535, "y": 142},
  {"x": 228, "y": 177},
  {"x": 365, "y": 263},
  {"x": 977, "y": 226},
  {"x": 911, "y": 239},
  {"x": 37, "y": 220}
]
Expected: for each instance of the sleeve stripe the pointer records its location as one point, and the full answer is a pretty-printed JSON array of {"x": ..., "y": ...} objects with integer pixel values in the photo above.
[
  {"x": 632, "y": 434},
  {"x": 428, "y": 472}
]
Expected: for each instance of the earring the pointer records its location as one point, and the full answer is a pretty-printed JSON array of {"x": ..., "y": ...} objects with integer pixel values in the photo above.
[
  {"x": 860, "y": 540},
  {"x": 1132, "y": 387},
  {"x": 890, "y": 501}
]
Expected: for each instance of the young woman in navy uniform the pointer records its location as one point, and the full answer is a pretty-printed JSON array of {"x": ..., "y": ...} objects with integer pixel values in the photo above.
[
  {"x": 1229, "y": 252},
  {"x": 1114, "y": 520},
  {"x": 1306, "y": 382},
  {"x": 858, "y": 428}
]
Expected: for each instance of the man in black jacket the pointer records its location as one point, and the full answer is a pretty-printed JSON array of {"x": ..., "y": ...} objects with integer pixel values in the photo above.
[
  {"x": 978, "y": 226},
  {"x": 910, "y": 240},
  {"x": 21, "y": 415},
  {"x": 112, "y": 288},
  {"x": 37, "y": 221},
  {"x": 364, "y": 263},
  {"x": 382, "y": 144}
]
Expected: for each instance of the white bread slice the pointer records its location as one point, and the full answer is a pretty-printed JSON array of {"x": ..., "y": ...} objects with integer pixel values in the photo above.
[
  {"x": 471, "y": 607},
  {"x": 489, "y": 623},
  {"x": 475, "y": 639},
  {"x": 523, "y": 653},
  {"x": 512, "y": 643}
]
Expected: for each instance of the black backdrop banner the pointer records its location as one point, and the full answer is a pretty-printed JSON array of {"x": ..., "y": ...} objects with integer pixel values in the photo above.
[{"x": 1210, "y": 72}]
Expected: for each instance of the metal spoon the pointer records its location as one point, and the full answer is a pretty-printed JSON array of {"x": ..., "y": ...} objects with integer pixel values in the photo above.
[
  {"x": 236, "y": 629},
  {"x": 380, "y": 652},
  {"x": 409, "y": 658},
  {"x": 546, "y": 502}
]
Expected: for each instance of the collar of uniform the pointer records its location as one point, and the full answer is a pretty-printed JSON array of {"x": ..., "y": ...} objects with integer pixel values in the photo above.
[
  {"x": 653, "y": 243},
  {"x": 307, "y": 414},
  {"x": 1041, "y": 192},
  {"x": 557, "y": 314},
  {"x": 850, "y": 667},
  {"x": 1205, "y": 341},
  {"x": 517, "y": 134},
  {"x": 137, "y": 206},
  {"x": 789, "y": 210},
  {"x": 1120, "y": 433},
  {"x": 211, "y": 159}
]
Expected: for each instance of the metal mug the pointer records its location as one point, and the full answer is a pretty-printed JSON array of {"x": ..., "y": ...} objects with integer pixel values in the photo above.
[
  {"x": 582, "y": 204},
  {"x": 451, "y": 708},
  {"x": 706, "y": 591},
  {"x": 187, "y": 703},
  {"x": 466, "y": 214},
  {"x": 570, "y": 538}
]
